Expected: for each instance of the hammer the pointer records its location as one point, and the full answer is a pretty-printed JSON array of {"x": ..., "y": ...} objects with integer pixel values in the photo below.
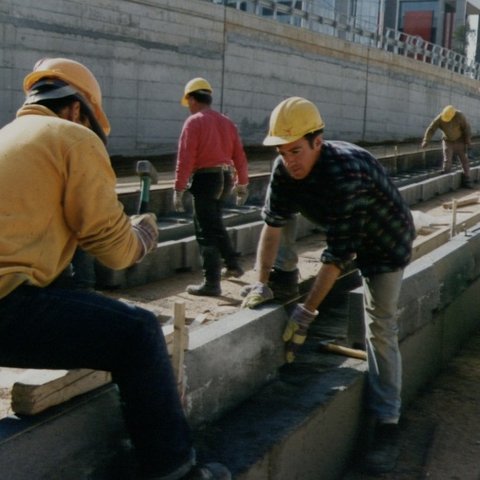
[
  {"x": 148, "y": 175},
  {"x": 328, "y": 346}
]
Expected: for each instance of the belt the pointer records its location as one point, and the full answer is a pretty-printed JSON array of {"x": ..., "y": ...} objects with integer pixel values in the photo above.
[{"x": 220, "y": 168}]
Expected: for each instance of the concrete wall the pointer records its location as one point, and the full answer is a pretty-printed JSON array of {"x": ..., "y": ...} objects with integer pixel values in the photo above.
[{"x": 144, "y": 51}]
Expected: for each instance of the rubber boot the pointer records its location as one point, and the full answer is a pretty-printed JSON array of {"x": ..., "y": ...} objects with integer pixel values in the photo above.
[
  {"x": 211, "y": 271},
  {"x": 284, "y": 284},
  {"x": 230, "y": 257},
  {"x": 466, "y": 182},
  {"x": 232, "y": 267}
]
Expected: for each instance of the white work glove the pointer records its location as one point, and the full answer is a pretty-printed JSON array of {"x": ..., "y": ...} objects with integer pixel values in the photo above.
[
  {"x": 178, "y": 201},
  {"x": 256, "y": 295},
  {"x": 295, "y": 332},
  {"x": 146, "y": 229},
  {"x": 241, "y": 192}
]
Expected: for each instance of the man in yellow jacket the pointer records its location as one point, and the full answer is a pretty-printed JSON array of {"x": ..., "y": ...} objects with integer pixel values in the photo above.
[
  {"x": 456, "y": 138},
  {"x": 57, "y": 193}
]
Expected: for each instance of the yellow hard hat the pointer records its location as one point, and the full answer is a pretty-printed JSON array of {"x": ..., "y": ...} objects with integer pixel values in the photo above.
[
  {"x": 448, "y": 113},
  {"x": 77, "y": 76},
  {"x": 292, "y": 119},
  {"x": 194, "y": 85}
]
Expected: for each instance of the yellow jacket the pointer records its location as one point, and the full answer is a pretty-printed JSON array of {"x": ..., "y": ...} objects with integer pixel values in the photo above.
[
  {"x": 57, "y": 191},
  {"x": 456, "y": 130}
]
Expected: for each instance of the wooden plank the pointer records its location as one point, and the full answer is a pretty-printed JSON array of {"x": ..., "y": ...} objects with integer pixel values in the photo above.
[
  {"x": 462, "y": 203},
  {"x": 169, "y": 334},
  {"x": 422, "y": 246},
  {"x": 179, "y": 345},
  {"x": 41, "y": 389}
]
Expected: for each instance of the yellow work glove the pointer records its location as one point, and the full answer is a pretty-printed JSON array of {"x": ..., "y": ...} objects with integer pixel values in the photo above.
[
  {"x": 295, "y": 332},
  {"x": 255, "y": 295}
]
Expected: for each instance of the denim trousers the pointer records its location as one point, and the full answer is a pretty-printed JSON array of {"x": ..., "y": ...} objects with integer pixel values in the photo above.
[
  {"x": 61, "y": 328},
  {"x": 381, "y": 296}
]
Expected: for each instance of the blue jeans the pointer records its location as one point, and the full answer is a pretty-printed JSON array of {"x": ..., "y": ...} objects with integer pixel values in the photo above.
[
  {"x": 59, "y": 328},
  {"x": 384, "y": 360}
]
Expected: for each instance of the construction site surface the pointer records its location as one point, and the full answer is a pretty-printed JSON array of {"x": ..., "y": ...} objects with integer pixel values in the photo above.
[{"x": 435, "y": 432}]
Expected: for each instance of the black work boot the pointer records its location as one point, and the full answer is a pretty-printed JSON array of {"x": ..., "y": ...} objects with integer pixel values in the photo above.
[
  {"x": 284, "y": 284},
  {"x": 211, "y": 271},
  {"x": 383, "y": 454},
  {"x": 230, "y": 256},
  {"x": 209, "y": 471},
  {"x": 232, "y": 269},
  {"x": 205, "y": 290},
  {"x": 466, "y": 183}
]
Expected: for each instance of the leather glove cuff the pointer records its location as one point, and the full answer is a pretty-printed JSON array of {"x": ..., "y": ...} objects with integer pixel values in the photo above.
[
  {"x": 303, "y": 317},
  {"x": 146, "y": 230},
  {"x": 257, "y": 294},
  {"x": 241, "y": 192},
  {"x": 178, "y": 200}
]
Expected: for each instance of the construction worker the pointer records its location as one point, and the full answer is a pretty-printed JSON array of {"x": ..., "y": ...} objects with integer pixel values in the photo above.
[
  {"x": 456, "y": 139},
  {"x": 211, "y": 155},
  {"x": 346, "y": 191},
  {"x": 57, "y": 193}
]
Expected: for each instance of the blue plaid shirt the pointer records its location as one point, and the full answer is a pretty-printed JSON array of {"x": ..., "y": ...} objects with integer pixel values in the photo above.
[{"x": 349, "y": 194}]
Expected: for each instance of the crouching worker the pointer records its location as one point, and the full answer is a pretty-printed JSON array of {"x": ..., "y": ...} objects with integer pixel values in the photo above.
[
  {"x": 57, "y": 193},
  {"x": 346, "y": 191}
]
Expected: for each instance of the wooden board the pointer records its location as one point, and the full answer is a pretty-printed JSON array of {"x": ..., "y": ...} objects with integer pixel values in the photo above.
[{"x": 41, "y": 389}]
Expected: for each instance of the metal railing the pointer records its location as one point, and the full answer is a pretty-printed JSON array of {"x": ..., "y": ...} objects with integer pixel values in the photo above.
[{"x": 300, "y": 13}]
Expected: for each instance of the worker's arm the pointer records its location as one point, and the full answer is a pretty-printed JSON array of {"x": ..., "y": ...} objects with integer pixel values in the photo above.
[
  {"x": 326, "y": 278},
  {"x": 302, "y": 316},
  {"x": 266, "y": 254},
  {"x": 430, "y": 131},
  {"x": 267, "y": 251}
]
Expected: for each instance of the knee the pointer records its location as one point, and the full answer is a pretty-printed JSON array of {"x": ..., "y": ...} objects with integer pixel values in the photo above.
[{"x": 146, "y": 328}]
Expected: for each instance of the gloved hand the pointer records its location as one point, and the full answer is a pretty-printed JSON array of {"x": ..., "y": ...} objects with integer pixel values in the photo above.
[
  {"x": 146, "y": 228},
  {"x": 178, "y": 201},
  {"x": 255, "y": 295},
  {"x": 241, "y": 192},
  {"x": 295, "y": 332}
]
